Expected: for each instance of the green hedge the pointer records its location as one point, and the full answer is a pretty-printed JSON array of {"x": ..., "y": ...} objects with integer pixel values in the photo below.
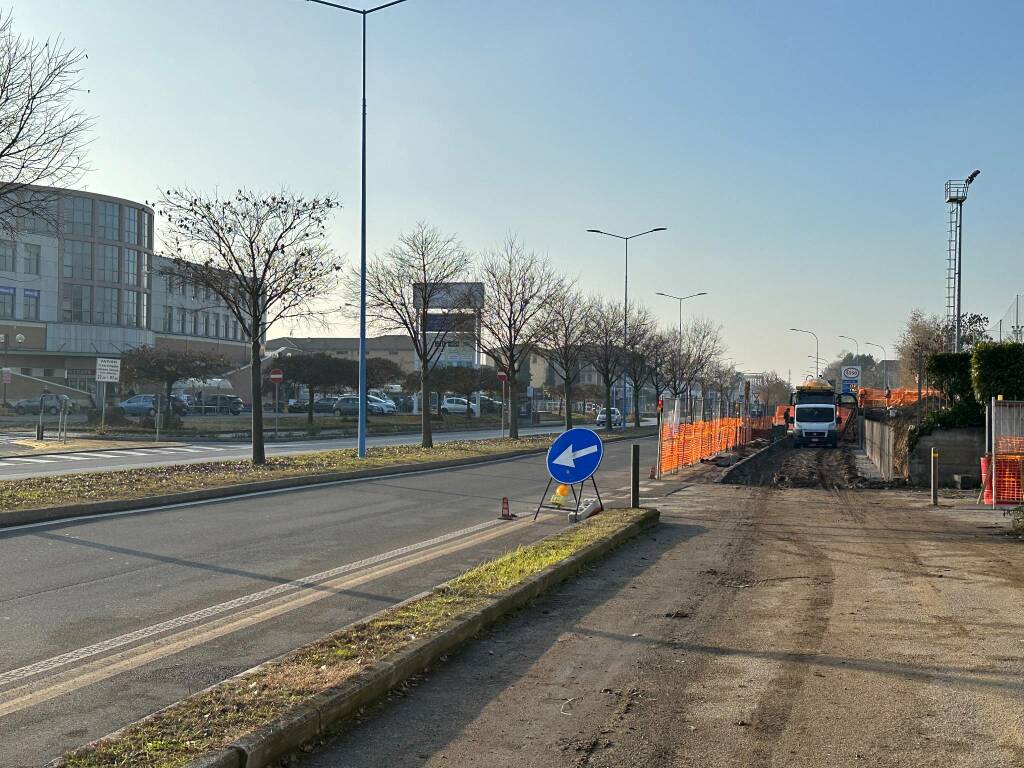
[
  {"x": 998, "y": 369},
  {"x": 951, "y": 373}
]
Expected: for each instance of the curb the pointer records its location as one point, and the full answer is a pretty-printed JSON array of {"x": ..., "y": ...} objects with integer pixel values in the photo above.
[
  {"x": 148, "y": 503},
  {"x": 324, "y": 714},
  {"x": 726, "y": 478}
]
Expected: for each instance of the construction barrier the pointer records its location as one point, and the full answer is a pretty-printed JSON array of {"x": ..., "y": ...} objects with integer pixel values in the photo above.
[
  {"x": 1006, "y": 464},
  {"x": 873, "y": 397},
  {"x": 687, "y": 444}
]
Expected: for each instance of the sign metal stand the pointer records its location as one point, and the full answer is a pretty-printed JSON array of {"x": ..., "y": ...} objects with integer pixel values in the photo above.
[{"x": 573, "y": 458}]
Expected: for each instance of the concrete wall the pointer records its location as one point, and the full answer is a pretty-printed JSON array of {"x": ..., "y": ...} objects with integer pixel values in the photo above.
[
  {"x": 880, "y": 446},
  {"x": 960, "y": 452}
]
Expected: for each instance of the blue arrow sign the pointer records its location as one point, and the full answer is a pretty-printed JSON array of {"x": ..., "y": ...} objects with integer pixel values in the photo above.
[{"x": 575, "y": 455}]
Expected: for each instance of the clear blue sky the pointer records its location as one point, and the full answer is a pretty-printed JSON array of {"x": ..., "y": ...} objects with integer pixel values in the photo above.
[{"x": 796, "y": 151}]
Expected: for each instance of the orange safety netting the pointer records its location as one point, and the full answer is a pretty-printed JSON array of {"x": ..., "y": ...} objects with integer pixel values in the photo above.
[
  {"x": 1009, "y": 477},
  {"x": 689, "y": 443},
  {"x": 873, "y": 397}
]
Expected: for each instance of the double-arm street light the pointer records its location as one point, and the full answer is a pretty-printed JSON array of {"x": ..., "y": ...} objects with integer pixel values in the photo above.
[
  {"x": 681, "y": 299},
  {"x": 362, "y": 233},
  {"x": 885, "y": 368},
  {"x": 625, "y": 305},
  {"x": 817, "y": 349}
]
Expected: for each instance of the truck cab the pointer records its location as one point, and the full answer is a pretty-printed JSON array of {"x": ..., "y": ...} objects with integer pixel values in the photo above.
[{"x": 815, "y": 418}]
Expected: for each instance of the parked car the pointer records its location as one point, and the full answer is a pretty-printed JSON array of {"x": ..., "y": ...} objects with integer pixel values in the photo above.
[
  {"x": 50, "y": 403},
  {"x": 140, "y": 405},
  {"x": 490, "y": 405},
  {"x": 458, "y": 405},
  {"x": 223, "y": 404},
  {"x": 343, "y": 405},
  {"x": 602, "y": 418},
  {"x": 379, "y": 406}
]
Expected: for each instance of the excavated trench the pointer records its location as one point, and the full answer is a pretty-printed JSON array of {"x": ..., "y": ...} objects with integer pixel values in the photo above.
[{"x": 783, "y": 466}]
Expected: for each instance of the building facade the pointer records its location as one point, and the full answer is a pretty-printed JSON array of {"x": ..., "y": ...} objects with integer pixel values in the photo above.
[{"x": 82, "y": 280}]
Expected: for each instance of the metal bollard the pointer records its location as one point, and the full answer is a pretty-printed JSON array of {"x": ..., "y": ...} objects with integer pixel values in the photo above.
[
  {"x": 634, "y": 477},
  {"x": 935, "y": 477}
]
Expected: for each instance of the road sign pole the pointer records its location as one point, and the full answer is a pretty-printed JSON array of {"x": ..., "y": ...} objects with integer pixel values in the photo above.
[
  {"x": 277, "y": 406},
  {"x": 634, "y": 476},
  {"x": 103, "y": 407}
]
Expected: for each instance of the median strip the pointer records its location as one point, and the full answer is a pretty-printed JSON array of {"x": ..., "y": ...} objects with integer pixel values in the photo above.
[{"x": 259, "y": 717}]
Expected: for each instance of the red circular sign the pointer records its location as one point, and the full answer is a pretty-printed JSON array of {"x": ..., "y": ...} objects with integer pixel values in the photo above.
[
  {"x": 502, "y": 376},
  {"x": 276, "y": 376}
]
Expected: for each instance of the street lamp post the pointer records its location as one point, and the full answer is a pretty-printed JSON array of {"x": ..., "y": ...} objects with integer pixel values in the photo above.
[
  {"x": 817, "y": 349},
  {"x": 681, "y": 299},
  {"x": 885, "y": 368},
  {"x": 625, "y": 305},
  {"x": 362, "y": 232},
  {"x": 857, "y": 343}
]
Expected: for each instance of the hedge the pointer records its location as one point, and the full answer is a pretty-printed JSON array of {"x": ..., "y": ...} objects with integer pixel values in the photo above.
[
  {"x": 951, "y": 373},
  {"x": 998, "y": 369}
]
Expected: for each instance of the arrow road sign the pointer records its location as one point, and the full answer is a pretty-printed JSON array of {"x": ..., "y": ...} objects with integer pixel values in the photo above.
[{"x": 575, "y": 455}]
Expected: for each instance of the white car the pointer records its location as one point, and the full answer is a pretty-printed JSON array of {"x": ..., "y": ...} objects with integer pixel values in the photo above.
[
  {"x": 458, "y": 405},
  {"x": 602, "y": 417}
]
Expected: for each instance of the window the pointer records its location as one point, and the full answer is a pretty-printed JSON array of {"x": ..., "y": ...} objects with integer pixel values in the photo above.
[
  {"x": 107, "y": 268},
  {"x": 216, "y": 326},
  {"x": 6, "y": 256},
  {"x": 146, "y": 235},
  {"x": 108, "y": 225},
  {"x": 6, "y": 303},
  {"x": 30, "y": 304},
  {"x": 78, "y": 259},
  {"x": 207, "y": 294},
  {"x": 195, "y": 290},
  {"x": 77, "y": 216},
  {"x": 131, "y": 225},
  {"x": 225, "y": 327},
  {"x": 169, "y": 319},
  {"x": 181, "y": 320},
  {"x": 181, "y": 286},
  {"x": 40, "y": 213},
  {"x": 143, "y": 310},
  {"x": 131, "y": 309},
  {"x": 30, "y": 254},
  {"x": 147, "y": 277},
  {"x": 48, "y": 372},
  {"x": 77, "y": 304},
  {"x": 205, "y": 324},
  {"x": 106, "y": 306},
  {"x": 194, "y": 325},
  {"x": 131, "y": 267}
]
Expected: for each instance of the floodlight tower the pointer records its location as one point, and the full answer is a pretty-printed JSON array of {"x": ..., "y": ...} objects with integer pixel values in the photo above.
[{"x": 956, "y": 194}]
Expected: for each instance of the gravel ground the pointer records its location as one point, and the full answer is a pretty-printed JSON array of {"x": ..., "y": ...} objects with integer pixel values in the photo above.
[{"x": 757, "y": 626}]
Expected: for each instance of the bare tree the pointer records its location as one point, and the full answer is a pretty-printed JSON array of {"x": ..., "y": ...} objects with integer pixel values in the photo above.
[
  {"x": 266, "y": 257},
  {"x": 605, "y": 352},
  {"x": 638, "y": 348},
  {"x": 565, "y": 333},
  {"x": 659, "y": 353},
  {"x": 409, "y": 290},
  {"x": 518, "y": 286},
  {"x": 42, "y": 135},
  {"x": 691, "y": 355},
  {"x": 773, "y": 391}
]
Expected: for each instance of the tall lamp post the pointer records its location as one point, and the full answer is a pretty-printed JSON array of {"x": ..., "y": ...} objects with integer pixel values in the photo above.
[
  {"x": 5, "y": 340},
  {"x": 817, "y": 350},
  {"x": 362, "y": 232},
  {"x": 885, "y": 368},
  {"x": 956, "y": 194},
  {"x": 625, "y": 305},
  {"x": 857, "y": 343},
  {"x": 681, "y": 299}
]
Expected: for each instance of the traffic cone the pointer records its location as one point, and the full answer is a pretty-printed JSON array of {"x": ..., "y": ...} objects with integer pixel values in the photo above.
[{"x": 506, "y": 514}]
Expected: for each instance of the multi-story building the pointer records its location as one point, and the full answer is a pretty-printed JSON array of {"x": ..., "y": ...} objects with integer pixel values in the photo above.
[{"x": 83, "y": 281}]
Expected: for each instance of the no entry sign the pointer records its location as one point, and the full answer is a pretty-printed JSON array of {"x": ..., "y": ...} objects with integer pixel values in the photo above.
[{"x": 276, "y": 376}]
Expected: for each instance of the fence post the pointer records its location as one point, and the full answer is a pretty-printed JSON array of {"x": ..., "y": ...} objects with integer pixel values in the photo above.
[
  {"x": 935, "y": 477},
  {"x": 634, "y": 477}
]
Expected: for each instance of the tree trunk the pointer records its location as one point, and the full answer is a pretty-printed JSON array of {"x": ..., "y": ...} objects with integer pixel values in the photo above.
[
  {"x": 309, "y": 411},
  {"x": 636, "y": 407},
  {"x": 567, "y": 397},
  {"x": 513, "y": 407},
  {"x": 259, "y": 453},
  {"x": 428, "y": 438},
  {"x": 608, "y": 405}
]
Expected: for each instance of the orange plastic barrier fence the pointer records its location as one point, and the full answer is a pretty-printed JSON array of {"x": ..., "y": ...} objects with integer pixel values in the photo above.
[
  {"x": 1009, "y": 479},
  {"x": 873, "y": 397},
  {"x": 687, "y": 444},
  {"x": 780, "y": 414}
]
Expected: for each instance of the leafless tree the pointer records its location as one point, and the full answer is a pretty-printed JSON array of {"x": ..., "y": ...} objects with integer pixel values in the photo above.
[
  {"x": 43, "y": 136},
  {"x": 637, "y": 362},
  {"x": 265, "y": 256},
  {"x": 518, "y": 286},
  {"x": 605, "y": 352},
  {"x": 692, "y": 353},
  {"x": 659, "y": 355},
  {"x": 773, "y": 391},
  {"x": 409, "y": 290},
  {"x": 565, "y": 333}
]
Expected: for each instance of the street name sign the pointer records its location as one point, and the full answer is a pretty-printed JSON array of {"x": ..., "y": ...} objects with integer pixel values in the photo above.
[
  {"x": 108, "y": 369},
  {"x": 575, "y": 455}
]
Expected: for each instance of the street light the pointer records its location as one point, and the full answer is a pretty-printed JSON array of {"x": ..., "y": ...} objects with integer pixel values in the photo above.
[
  {"x": 816, "y": 347},
  {"x": 885, "y": 368},
  {"x": 362, "y": 234},
  {"x": 625, "y": 305},
  {"x": 850, "y": 338},
  {"x": 681, "y": 299}
]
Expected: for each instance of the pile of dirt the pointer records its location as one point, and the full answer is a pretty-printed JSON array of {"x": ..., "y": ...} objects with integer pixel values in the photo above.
[{"x": 782, "y": 466}]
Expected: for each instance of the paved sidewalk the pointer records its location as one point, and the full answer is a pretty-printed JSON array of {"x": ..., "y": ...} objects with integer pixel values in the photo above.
[{"x": 754, "y": 627}]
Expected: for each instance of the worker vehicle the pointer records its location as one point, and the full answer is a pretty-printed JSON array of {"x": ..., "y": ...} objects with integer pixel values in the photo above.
[{"x": 815, "y": 418}]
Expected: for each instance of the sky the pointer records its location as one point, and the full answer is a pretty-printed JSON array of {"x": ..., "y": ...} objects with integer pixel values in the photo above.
[{"x": 795, "y": 151}]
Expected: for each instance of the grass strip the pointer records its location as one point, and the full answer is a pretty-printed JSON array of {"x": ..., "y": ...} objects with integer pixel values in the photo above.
[{"x": 213, "y": 719}]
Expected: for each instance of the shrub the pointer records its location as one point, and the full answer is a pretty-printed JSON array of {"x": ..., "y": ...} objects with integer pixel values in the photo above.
[
  {"x": 967, "y": 413},
  {"x": 951, "y": 373},
  {"x": 998, "y": 369}
]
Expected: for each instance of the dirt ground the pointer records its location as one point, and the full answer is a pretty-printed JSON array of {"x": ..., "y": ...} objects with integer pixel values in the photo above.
[{"x": 756, "y": 626}]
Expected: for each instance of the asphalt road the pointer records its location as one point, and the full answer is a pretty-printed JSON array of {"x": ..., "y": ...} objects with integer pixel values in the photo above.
[
  {"x": 14, "y": 468},
  {"x": 107, "y": 619}
]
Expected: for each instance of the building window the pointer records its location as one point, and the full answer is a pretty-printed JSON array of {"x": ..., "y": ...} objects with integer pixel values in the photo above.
[
  {"x": 146, "y": 235},
  {"x": 77, "y": 304},
  {"x": 106, "y": 306},
  {"x": 107, "y": 268},
  {"x": 195, "y": 324},
  {"x": 131, "y": 267},
  {"x": 78, "y": 216},
  {"x": 131, "y": 309},
  {"x": 48, "y": 372},
  {"x": 169, "y": 319},
  {"x": 225, "y": 327},
  {"x": 78, "y": 259},
  {"x": 26, "y": 371},
  {"x": 131, "y": 225},
  {"x": 143, "y": 310},
  {"x": 181, "y": 320},
  {"x": 30, "y": 304},
  {"x": 31, "y": 254},
  {"x": 6, "y": 256},
  {"x": 40, "y": 214},
  {"x": 147, "y": 272},
  {"x": 206, "y": 324},
  {"x": 195, "y": 290},
  {"x": 108, "y": 226},
  {"x": 216, "y": 325},
  {"x": 6, "y": 303}
]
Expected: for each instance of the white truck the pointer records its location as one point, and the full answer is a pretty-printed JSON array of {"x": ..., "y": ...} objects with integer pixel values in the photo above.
[{"x": 815, "y": 419}]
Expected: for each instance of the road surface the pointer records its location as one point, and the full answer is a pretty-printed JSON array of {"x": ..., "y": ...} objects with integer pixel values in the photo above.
[{"x": 109, "y": 618}]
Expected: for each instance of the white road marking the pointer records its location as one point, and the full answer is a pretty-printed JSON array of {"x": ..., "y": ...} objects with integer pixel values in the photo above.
[
  {"x": 31, "y": 461},
  {"x": 125, "y": 453},
  {"x": 91, "y": 455}
]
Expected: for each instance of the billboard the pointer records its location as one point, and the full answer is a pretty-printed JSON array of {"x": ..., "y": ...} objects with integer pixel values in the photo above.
[{"x": 448, "y": 295}]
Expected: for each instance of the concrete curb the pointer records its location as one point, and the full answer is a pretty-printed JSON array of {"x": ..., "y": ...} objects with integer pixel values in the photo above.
[
  {"x": 48, "y": 514},
  {"x": 726, "y": 478},
  {"x": 324, "y": 714}
]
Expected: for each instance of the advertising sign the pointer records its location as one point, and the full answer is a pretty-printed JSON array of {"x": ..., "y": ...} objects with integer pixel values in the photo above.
[{"x": 851, "y": 379}]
